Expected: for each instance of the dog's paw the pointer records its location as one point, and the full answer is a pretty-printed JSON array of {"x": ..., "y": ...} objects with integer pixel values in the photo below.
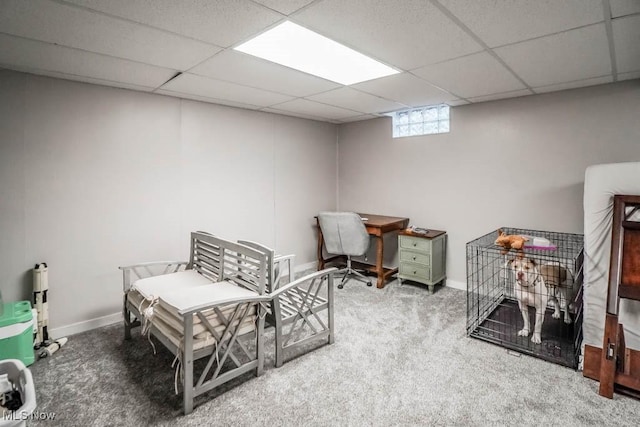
[
  {"x": 567, "y": 319},
  {"x": 536, "y": 339},
  {"x": 523, "y": 333},
  {"x": 556, "y": 315}
]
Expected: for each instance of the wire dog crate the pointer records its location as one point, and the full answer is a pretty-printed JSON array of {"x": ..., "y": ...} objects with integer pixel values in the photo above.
[{"x": 546, "y": 273}]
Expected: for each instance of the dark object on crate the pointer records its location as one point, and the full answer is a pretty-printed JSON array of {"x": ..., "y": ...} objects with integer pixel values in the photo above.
[{"x": 498, "y": 296}]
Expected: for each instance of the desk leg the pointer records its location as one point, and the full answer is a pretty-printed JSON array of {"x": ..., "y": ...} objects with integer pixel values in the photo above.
[{"x": 379, "y": 260}]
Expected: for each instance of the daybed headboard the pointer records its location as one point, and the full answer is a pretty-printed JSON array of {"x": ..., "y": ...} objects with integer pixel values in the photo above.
[
  {"x": 219, "y": 259},
  {"x": 601, "y": 183}
]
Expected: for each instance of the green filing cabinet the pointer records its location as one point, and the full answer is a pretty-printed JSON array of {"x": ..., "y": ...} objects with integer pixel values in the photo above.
[
  {"x": 16, "y": 332},
  {"x": 422, "y": 257}
]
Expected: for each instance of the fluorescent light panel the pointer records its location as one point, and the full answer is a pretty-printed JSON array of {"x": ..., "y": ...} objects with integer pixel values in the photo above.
[{"x": 296, "y": 47}]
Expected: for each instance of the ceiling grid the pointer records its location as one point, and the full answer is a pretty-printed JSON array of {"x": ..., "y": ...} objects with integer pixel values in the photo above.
[{"x": 448, "y": 51}]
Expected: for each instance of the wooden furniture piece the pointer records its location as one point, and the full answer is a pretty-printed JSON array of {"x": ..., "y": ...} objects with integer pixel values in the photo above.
[
  {"x": 377, "y": 226},
  {"x": 616, "y": 366},
  {"x": 214, "y": 307},
  {"x": 422, "y": 257}
]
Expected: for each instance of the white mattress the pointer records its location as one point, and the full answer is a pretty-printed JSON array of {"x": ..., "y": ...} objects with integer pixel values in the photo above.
[
  {"x": 152, "y": 287},
  {"x": 182, "y": 290},
  {"x": 171, "y": 318},
  {"x": 601, "y": 183}
]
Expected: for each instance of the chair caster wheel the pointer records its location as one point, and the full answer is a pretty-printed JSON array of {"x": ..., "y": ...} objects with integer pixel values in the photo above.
[
  {"x": 340, "y": 286},
  {"x": 369, "y": 284}
]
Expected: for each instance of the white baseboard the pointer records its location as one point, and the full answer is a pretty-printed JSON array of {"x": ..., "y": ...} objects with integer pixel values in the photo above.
[
  {"x": 456, "y": 284},
  {"x": 87, "y": 325},
  {"x": 308, "y": 266}
]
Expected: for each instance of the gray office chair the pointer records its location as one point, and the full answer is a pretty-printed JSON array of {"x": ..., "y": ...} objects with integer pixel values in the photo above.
[{"x": 345, "y": 234}]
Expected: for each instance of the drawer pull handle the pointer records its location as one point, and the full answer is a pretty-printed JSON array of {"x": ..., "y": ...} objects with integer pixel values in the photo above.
[
  {"x": 415, "y": 272},
  {"x": 414, "y": 245},
  {"x": 414, "y": 258}
]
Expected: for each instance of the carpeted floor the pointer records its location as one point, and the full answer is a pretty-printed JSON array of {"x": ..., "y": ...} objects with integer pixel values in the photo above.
[{"x": 401, "y": 357}]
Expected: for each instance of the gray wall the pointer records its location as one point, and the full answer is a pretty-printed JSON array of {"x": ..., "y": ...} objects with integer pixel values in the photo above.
[
  {"x": 93, "y": 177},
  {"x": 515, "y": 163}
]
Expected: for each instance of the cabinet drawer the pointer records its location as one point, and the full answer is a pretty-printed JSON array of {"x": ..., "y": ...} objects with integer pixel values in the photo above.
[
  {"x": 417, "y": 243},
  {"x": 420, "y": 272},
  {"x": 417, "y": 257}
]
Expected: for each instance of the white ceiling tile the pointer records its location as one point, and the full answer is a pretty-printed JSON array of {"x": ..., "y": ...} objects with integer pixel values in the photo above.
[
  {"x": 500, "y": 22},
  {"x": 70, "y": 26},
  {"x": 358, "y": 118},
  {"x": 207, "y": 99},
  {"x": 470, "y": 76},
  {"x": 504, "y": 95},
  {"x": 111, "y": 42},
  {"x": 569, "y": 56},
  {"x": 248, "y": 70},
  {"x": 407, "y": 34},
  {"x": 405, "y": 89},
  {"x": 286, "y": 7},
  {"x": 315, "y": 109},
  {"x": 629, "y": 76},
  {"x": 221, "y": 22},
  {"x": 624, "y": 7},
  {"x": 626, "y": 39},
  {"x": 23, "y": 54},
  {"x": 90, "y": 80},
  {"x": 355, "y": 100},
  {"x": 574, "y": 85},
  {"x": 217, "y": 89}
]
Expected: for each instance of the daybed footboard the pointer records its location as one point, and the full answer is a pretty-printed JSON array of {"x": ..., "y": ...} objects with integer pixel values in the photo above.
[
  {"x": 304, "y": 312},
  {"x": 227, "y": 344},
  {"x": 300, "y": 311}
]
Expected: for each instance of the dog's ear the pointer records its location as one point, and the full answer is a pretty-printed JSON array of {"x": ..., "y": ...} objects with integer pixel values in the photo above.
[
  {"x": 533, "y": 261},
  {"x": 500, "y": 232}
]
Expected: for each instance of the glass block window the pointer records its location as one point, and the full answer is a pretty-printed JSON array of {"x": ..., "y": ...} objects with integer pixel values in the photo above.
[{"x": 421, "y": 121}]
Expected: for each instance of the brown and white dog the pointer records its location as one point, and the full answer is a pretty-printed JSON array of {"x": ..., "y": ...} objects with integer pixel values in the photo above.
[
  {"x": 555, "y": 278},
  {"x": 535, "y": 286}
]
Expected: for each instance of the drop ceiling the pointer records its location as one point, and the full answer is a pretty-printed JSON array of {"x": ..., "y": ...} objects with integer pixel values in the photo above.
[{"x": 449, "y": 51}]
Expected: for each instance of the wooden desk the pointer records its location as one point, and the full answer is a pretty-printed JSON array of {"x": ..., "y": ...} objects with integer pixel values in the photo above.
[{"x": 377, "y": 226}]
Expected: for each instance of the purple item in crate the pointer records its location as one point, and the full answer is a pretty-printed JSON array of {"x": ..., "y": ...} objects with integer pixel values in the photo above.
[{"x": 539, "y": 243}]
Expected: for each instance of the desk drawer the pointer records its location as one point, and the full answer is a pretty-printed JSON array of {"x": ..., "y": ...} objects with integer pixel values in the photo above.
[
  {"x": 416, "y": 257},
  {"x": 415, "y": 271},
  {"x": 416, "y": 243}
]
